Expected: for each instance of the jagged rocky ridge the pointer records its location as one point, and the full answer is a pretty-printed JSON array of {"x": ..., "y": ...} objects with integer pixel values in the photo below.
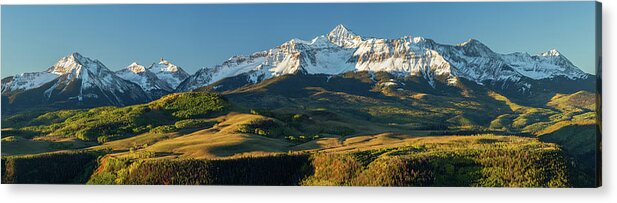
[{"x": 341, "y": 51}]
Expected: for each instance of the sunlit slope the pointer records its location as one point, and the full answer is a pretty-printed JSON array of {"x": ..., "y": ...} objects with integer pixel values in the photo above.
[
  {"x": 73, "y": 129},
  {"x": 561, "y": 110},
  {"x": 483, "y": 160}
]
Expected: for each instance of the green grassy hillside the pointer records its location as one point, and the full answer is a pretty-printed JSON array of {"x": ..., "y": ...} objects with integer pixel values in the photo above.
[
  {"x": 70, "y": 129},
  {"x": 380, "y": 129},
  {"x": 484, "y": 160}
]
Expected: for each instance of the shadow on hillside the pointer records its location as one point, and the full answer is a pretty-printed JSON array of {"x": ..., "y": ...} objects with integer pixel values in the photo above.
[
  {"x": 455, "y": 171},
  {"x": 579, "y": 142},
  {"x": 251, "y": 143}
]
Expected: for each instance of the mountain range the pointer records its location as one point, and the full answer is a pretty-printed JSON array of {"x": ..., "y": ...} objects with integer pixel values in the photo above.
[
  {"x": 79, "y": 81},
  {"x": 406, "y": 104}
]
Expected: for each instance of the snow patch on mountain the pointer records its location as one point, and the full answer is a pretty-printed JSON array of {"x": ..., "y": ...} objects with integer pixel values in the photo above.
[
  {"x": 143, "y": 77},
  {"x": 551, "y": 52},
  {"x": 169, "y": 72},
  {"x": 136, "y": 68},
  {"x": 405, "y": 56},
  {"x": 26, "y": 81},
  {"x": 544, "y": 65}
]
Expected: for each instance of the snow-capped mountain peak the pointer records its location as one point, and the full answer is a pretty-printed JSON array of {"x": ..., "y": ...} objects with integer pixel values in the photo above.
[
  {"x": 552, "y": 52},
  {"x": 146, "y": 79},
  {"x": 473, "y": 47},
  {"x": 169, "y": 72},
  {"x": 167, "y": 66},
  {"x": 74, "y": 61},
  {"x": 548, "y": 64},
  {"x": 136, "y": 68},
  {"x": 68, "y": 64},
  {"x": 343, "y": 37}
]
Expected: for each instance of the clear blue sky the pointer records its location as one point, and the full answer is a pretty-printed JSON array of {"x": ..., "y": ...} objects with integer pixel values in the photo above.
[{"x": 195, "y": 36}]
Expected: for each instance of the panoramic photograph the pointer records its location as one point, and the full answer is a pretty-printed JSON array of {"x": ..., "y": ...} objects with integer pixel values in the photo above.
[{"x": 423, "y": 94}]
